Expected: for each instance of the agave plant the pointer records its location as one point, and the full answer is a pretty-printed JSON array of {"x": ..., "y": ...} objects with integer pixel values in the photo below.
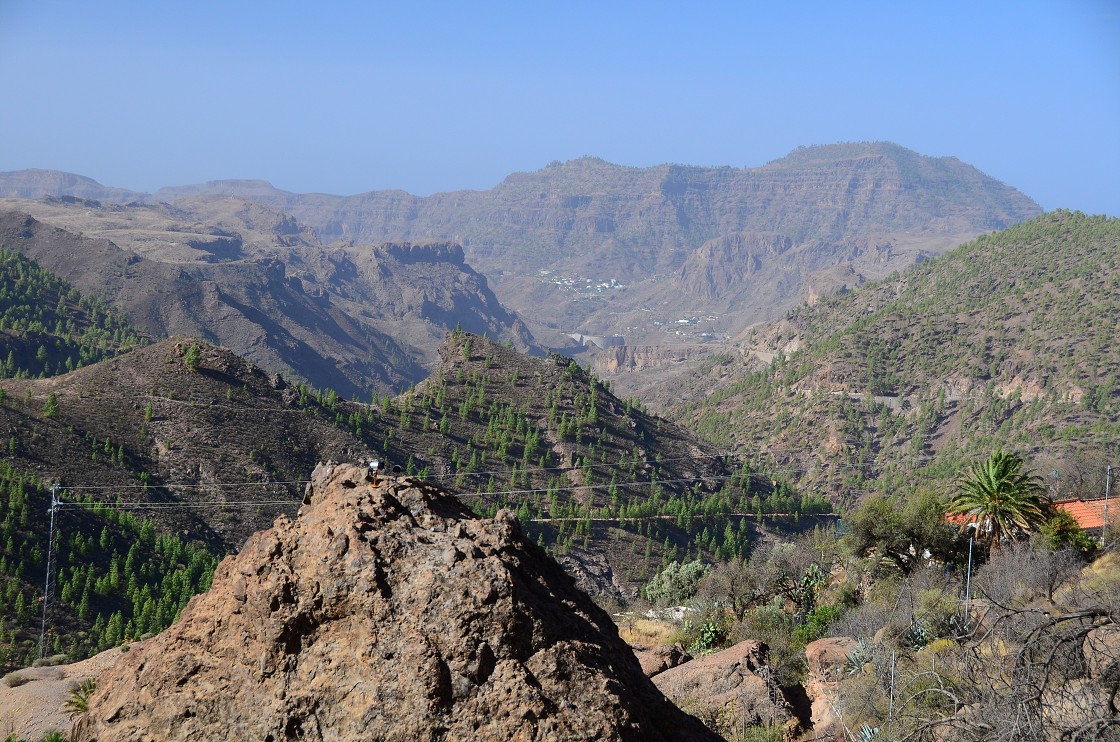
[
  {"x": 78, "y": 703},
  {"x": 866, "y": 733}
]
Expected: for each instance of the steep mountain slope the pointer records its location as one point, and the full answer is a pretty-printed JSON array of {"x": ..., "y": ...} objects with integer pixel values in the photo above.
[
  {"x": 145, "y": 427},
  {"x": 237, "y": 273},
  {"x": 613, "y": 491},
  {"x": 207, "y": 455},
  {"x": 1007, "y": 341},
  {"x": 414, "y": 292},
  {"x": 670, "y": 236},
  {"x": 210, "y": 448},
  {"x": 113, "y": 576}
]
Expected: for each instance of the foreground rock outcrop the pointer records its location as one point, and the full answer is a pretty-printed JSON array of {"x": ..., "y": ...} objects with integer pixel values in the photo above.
[
  {"x": 385, "y": 612},
  {"x": 735, "y": 685},
  {"x": 826, "y": 659}
]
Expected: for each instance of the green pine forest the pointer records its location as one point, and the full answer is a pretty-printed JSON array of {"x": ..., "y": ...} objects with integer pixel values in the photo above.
[
  {"x": 487, "y": 425},
  {"x": 1008, "y": 341},
  {"x": 48, "y": 327},
  {"x": 117, "y": 578}
]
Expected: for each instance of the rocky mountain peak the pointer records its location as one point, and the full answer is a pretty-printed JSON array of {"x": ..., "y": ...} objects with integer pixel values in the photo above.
[{"x": 385, "y": 611}]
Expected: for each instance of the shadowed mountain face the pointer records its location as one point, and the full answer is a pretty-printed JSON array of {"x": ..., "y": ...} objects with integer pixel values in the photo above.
[
  {"x": 679, "y": 242},
  {"x": 255, "y": 280},
  {"x": 873, "y": 208}
]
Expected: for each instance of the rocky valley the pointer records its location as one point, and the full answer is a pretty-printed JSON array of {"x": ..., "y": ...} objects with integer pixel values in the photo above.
[
  {"x": 249, "y": 278},
  {"x": 720, "y": 414}
]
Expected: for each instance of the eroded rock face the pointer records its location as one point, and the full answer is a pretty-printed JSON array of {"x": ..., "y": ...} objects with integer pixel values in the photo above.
[
  {"x": 385, "y": 612},
  {"x": 826, "y": 659}
]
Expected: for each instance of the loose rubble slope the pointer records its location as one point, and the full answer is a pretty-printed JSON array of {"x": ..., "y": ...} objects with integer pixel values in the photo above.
[{"x": 385, "y": 612}]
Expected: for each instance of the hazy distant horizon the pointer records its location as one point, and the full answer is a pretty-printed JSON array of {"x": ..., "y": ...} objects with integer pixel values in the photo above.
[
  {"x": 340, "y": 194},
  {"x": 353, "y": 97}
]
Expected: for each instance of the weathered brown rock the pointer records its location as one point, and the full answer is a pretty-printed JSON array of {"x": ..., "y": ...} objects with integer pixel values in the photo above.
[
  {"x": 662, "y": 658},
  {"x": 735, "y": 683},
  {"x": 385, "y": 612},
  {"x": 826, "y": 656},
  {"x": 826, "y": 724},
  {"x": 826, "y": 659}
]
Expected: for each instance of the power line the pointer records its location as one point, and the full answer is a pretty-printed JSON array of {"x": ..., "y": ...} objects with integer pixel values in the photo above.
[
  {"x": 503, "y": 473},
  {"x": 176, "y": 485},
  {"x": 157, "y": 504},
  {"x": 154, "y": 505},
  {"x": 55, "y": 502}
]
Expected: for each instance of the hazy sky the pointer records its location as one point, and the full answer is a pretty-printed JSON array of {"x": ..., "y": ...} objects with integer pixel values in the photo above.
[{"x": 345, "y": 97}]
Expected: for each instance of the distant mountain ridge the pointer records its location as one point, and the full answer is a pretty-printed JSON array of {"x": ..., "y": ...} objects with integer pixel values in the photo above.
[
  {"x": 38, "y": 183},
  {"x": 870, "y": 207}
]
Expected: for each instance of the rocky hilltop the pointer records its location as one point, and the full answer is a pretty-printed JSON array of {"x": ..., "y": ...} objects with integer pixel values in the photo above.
[
  {"x": 385, "y": 610},
  {"x": 39, "y": 183},
  {"x": 177, "y": 436}
]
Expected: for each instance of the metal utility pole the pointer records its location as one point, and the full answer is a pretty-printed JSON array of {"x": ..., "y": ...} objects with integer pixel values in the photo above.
[
  {"x": 50, "y": 569},
  {"x": 972, "y": 528},
  {"x": 1107, "y": 489},
  {"x": 894, "y": 661}
]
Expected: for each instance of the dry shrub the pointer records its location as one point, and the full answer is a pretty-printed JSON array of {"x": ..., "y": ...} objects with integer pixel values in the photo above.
[
  {"x": 54, "y": 659},
  {"x": 1103, "y": 575},
  {"x": 15, "y": 680}
]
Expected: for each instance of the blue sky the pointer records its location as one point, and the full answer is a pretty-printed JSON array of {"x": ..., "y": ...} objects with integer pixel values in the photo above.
[{"x": 345, "y": 97}]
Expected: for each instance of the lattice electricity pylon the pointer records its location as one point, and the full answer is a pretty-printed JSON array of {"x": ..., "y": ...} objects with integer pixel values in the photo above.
[{"x": 48, "y": 581}]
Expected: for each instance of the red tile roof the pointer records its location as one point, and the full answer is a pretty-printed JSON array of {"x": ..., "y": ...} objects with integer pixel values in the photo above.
[
  {"x": 1089, "y": 513},
  {"x": 960, "y": 519}
]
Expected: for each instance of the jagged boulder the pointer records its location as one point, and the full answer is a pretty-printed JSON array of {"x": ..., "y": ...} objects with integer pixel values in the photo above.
[
  {"x": 385, "y": 612},
  {"x": 734, "y": 685},
  {"x": 661, "y": 658},
  {"x": 827, "y": 657}
]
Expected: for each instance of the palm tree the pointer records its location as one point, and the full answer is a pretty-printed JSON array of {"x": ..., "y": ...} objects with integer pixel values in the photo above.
[{"x": 1001, "y": 497}]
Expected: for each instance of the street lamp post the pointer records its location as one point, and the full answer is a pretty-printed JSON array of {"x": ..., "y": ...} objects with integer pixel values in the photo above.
[{"x": 972, "y": 527}]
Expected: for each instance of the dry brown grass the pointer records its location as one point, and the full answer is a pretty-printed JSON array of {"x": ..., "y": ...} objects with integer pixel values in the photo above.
[
  {"x": 644, "y": 633},
  {"x": 1102, "y": 576}
]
